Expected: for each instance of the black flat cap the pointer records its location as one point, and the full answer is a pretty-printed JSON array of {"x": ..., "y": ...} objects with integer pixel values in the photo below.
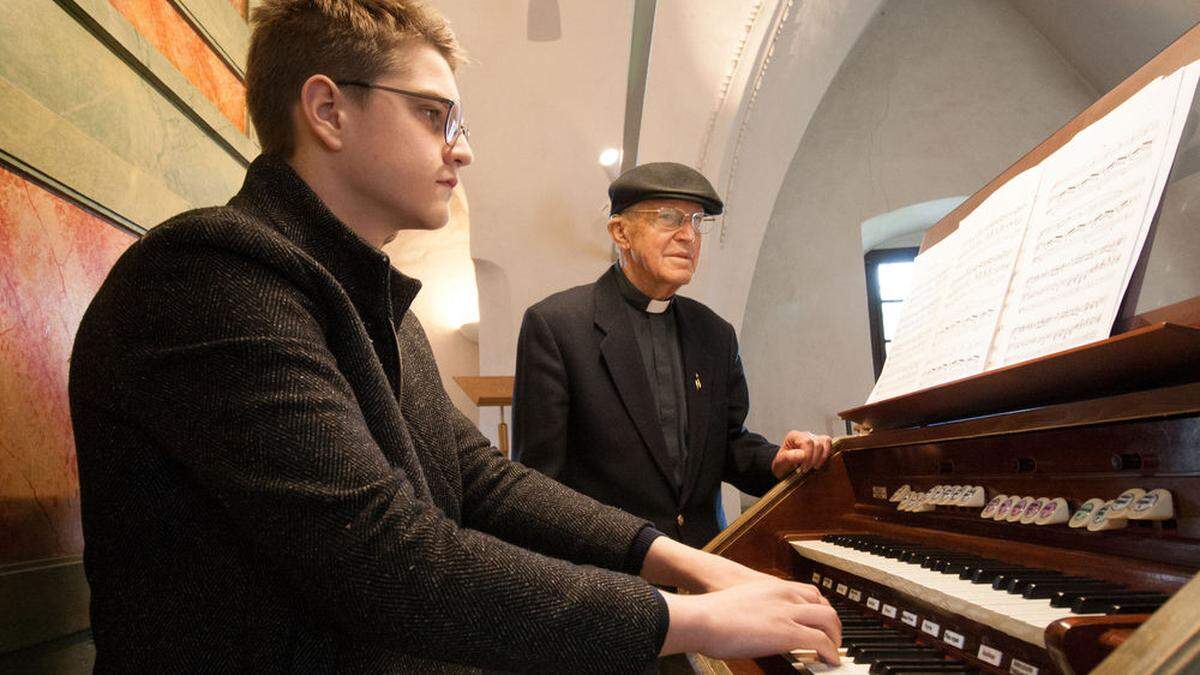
[{"x": 663, "y": 180}]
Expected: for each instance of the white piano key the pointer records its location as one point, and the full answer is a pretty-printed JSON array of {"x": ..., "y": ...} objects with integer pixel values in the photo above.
[
  {"x": 847, "y": 667},
  {"x": 1020, "y": 617}
]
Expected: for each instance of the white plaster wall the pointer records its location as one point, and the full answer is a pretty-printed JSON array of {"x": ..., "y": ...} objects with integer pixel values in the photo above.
[
  {"x": 539, "y": 114},
  {"x": 701, "y": 58},
  {"x": 1106, "y": 41},
  {"x": 441, "y": 259},
  {"x": 935, "y": 99},
  {"x": 801, "y": 48}
]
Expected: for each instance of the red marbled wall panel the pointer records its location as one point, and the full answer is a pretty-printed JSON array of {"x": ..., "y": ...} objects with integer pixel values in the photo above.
[
  {"x": 53, "y": 257},
  {"x": 164, "y": 27}
]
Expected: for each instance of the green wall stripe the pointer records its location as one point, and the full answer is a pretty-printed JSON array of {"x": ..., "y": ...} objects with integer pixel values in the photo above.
[
  {"x": 220, "y": 25},
  {"x": 115, "y": 32}
]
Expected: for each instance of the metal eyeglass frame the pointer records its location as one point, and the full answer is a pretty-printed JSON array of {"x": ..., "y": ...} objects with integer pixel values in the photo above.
[
  {"x": 450, "y": 134},
  {"x": 701, "y": 221}
]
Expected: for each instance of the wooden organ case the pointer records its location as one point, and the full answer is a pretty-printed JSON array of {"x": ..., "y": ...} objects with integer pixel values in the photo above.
[{"x": 1088, "y": 423}]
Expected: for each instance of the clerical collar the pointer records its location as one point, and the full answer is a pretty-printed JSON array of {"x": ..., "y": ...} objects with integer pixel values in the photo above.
[{"x": 637, "y": 298}]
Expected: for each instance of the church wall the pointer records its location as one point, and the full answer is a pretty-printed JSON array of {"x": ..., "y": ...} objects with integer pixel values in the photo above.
[
  {"x": 934, "y": 100},
  {"x": 114, "y": 115}
]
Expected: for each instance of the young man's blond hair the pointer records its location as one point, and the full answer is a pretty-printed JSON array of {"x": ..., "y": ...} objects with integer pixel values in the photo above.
[{"x": 342, "y": 39}]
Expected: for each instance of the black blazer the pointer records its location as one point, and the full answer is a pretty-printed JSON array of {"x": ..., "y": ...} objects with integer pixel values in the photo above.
[
  {"x": 583, "y": 410},
  {"x": 274, "y": 480}
]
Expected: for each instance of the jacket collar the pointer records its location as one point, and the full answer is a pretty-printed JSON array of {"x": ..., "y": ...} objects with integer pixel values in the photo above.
[
  {"x": 274, "y": 190},
  {"x": 636, "y": 298}
]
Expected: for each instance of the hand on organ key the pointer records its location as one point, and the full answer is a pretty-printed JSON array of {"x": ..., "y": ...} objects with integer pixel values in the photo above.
[{"x": 751, "y": 620}]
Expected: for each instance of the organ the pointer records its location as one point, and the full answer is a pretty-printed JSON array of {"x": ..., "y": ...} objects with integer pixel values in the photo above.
[{"x": 1030, "y": 519}]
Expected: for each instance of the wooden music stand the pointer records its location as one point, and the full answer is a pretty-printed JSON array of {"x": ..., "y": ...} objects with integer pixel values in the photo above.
[{"x": 490, "y": 390}]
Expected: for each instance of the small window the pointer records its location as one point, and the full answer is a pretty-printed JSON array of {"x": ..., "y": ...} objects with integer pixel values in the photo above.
[{"x": 889, "y": 276}]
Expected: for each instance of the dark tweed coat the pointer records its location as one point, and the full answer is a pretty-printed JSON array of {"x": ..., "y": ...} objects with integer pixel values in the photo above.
[{"x": 274, "y": 480}]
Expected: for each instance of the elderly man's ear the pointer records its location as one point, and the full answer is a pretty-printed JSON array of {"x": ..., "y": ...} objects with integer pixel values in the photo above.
[{"x": 616, "y": 230}]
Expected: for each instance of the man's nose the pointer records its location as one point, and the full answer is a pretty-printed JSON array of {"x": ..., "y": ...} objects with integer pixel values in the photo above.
[{"x": 460, "y": 153}]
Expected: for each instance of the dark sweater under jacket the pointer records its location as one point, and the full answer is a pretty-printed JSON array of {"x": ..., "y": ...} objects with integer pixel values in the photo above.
[{"x": 274, "y": 480}]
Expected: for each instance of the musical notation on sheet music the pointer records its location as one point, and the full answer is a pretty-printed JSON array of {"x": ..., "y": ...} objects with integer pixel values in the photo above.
[{"x": 1042, "y": 264}]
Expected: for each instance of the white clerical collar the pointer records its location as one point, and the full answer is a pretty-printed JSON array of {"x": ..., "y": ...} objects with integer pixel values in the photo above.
[
  {"x": 638, "y": 299},
  {"x": 658, "y": 306}
]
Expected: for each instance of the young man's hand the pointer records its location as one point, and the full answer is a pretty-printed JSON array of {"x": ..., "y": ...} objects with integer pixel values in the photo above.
[
  {"x": 751, "y": 620},
  {"x": 670, "y": 563}
]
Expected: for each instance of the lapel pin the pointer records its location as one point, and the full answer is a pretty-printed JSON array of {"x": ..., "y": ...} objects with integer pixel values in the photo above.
[{"x": 697, "y": 381}]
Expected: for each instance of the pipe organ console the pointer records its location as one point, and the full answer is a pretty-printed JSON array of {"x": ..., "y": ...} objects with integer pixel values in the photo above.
[
  {"x": 1031, "y": 542},
  {"x": 1027, "y": 520}
]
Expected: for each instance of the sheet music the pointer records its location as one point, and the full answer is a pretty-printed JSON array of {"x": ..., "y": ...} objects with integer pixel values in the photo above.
[
  {"x": 978, "y": 281},
  {"x": 1088, "y": 223},
  {"x": 1042, "y": 264},
  {"x": 906, "y": 355}
]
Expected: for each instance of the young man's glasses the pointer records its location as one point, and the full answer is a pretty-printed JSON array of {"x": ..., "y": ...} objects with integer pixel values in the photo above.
[
  {"x": 453, "y": 124},
  {"x": 670, "y": 219}
]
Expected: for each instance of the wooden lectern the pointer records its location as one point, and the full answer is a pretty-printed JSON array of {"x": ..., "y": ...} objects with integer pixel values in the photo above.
[{"x": 490, "y": 390}]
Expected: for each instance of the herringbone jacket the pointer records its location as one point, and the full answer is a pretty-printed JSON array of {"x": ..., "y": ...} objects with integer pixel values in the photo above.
[{"x": 274, "y": 480}]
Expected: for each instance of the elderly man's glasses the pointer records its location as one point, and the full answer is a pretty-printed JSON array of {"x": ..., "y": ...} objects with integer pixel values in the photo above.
[
  {"x": 451, "y": 117},
  {"x": 670, "y": 219}
]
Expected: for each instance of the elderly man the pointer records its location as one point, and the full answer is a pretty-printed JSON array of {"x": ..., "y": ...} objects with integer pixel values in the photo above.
[{"x": 635, "y": 396}]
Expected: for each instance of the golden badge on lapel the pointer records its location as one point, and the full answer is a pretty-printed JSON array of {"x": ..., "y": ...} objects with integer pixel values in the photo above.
[{"x": 697, "y": 381}]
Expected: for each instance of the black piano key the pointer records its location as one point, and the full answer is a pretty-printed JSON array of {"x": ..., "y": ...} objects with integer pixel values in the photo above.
[
  {"x": 1067, "y": 598},
  {"x": 911, "y": 654},
  {"x": 852, "y": 638},
  {"x": 949, "y": 667},
  {"x": 1041, "y": 589},
  {"x": 946, "y": 565},
  {"x": 859, "y": 646},
  {"x": 1091, "y": 603},
  {"x": 919, "y": 665},
  {"x": 986, "y": 575},
  {"x": 1133, "y": 607},
  {"x": 867, "y": 629},
  {"x": 930, "y": 561},
  {"x": 961, "y": 566},
  {"x": 1014, "y": 582}
]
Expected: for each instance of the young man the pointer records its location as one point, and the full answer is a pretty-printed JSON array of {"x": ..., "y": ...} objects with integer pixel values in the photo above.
[
  {"x": 635, "y": 396},
  {"x": 273, "y": 478}
]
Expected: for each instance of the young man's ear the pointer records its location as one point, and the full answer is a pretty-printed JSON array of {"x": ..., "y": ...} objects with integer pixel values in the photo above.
[{"x": 321, "y": 115}]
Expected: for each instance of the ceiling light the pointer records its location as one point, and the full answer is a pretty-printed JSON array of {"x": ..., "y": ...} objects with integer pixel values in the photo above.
[{"x": 610, "y": 157}]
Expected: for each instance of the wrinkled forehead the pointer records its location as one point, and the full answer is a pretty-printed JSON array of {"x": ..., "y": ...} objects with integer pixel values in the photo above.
[{"x": 688, "y": 207}]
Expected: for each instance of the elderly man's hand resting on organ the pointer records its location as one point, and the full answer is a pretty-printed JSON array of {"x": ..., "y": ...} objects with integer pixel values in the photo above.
[{"x": 736, "y": 612}]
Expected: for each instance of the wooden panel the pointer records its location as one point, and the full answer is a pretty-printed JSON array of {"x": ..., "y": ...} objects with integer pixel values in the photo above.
[
  {"x": 1080, "y": 643},
  {"x": 1153, "y": 356},
  {"x": 53, "y": 257},
  {"x": 487, "y": 390},
  {"x": 1180, "y": 400},
  {"x": 1168, "y": 644},
  {"x": 812, "y": 501},
  {"x": 162, "y": 25}
]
